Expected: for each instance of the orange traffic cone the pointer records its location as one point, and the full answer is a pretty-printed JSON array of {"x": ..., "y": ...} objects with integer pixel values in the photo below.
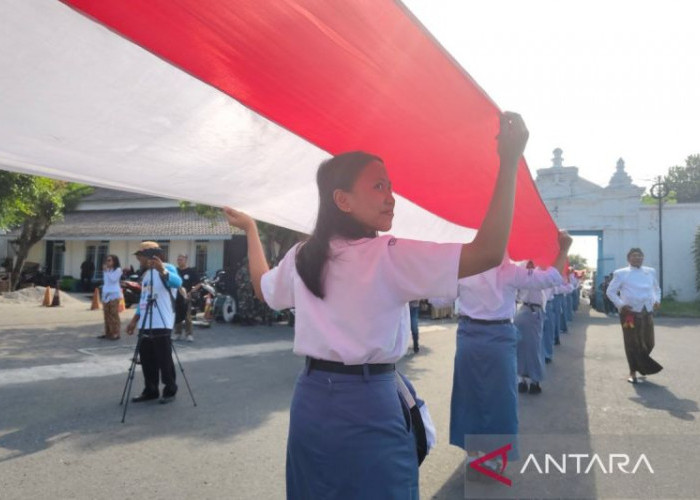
[
  {"x": 56, "y": 302},
  {"x": 122, "y": 305},
  {"x": 95, "y": 300},
  {"x": 47, "y": 297}
]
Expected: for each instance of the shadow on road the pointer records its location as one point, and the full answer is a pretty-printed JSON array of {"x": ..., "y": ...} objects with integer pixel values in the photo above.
[
  {"x": 247, "y": 390},
  {"x": 559, "y": 410},
  {"x": 659, "y": 397}
]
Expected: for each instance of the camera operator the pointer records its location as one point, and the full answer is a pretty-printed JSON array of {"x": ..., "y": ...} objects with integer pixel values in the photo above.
[{"x": 154, "y": 318}]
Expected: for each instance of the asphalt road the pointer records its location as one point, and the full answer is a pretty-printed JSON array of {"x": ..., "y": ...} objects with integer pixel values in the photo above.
[{"x": 61, "y": 434}]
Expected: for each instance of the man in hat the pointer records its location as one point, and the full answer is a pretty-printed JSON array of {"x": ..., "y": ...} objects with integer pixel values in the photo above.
[{"x": 154, "y": 318}]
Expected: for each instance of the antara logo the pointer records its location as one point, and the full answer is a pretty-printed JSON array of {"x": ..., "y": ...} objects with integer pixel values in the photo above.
[
  {"x": 502, "y": 452},
  {"x": 584, "y": 463},
  {"x": 576, "y": 463}
]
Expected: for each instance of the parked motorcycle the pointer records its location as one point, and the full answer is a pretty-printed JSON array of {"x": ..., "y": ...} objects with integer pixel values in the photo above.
[
  {"x": 36, "y": 275},
  {"x": 131, "y": 290},
  {"x": 218, "y": 293}
]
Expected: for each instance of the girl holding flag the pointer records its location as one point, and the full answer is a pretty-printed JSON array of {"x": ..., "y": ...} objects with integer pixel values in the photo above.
[
  {"x": 484, "y": 405},
  {"x": 348, "y": 436}
]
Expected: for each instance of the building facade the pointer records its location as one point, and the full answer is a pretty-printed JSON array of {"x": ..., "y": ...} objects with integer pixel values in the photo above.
[
  {"x": 115, "y": 222},
  {"x": 617, "y": 216}
]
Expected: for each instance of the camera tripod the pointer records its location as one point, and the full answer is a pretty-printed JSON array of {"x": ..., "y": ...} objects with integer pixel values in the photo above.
[{"x": 151, "y": 304}]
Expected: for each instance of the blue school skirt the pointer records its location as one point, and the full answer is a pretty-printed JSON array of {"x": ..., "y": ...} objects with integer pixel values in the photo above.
[
  {"x": 484, "y": 388},
  {"x": 530, "y": 323},
  {"x": 349, "y": 439},
  {"x": 548, "y": 330}
]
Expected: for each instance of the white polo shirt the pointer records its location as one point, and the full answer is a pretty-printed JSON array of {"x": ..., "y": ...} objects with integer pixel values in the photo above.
[
  {"x": 491, "y": 294},
  {"x": 367, "y": 283}
]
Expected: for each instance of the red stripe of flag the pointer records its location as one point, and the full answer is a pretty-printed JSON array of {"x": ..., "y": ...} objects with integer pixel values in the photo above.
[{"x": 348, "y": 75}]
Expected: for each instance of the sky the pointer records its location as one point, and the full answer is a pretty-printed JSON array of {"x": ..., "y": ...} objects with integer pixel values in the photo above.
[
  {"x": 599, "y": 79},
  {"x": 587, "y": 247}
]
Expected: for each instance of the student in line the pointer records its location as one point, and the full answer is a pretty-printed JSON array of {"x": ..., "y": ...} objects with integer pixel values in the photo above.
[{"x": 348, "y": 436}]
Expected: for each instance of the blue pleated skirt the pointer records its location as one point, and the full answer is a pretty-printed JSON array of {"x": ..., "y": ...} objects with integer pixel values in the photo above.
[
  {"x": 548, "y": 331},
  {"x": 530, "y": 349},
  {"x": 349, "y": 439},
  {"x": 484, "y": 407}
]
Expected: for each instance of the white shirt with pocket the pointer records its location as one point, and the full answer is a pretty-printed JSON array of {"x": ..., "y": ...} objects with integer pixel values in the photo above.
[{"x": 367, "y": 284}]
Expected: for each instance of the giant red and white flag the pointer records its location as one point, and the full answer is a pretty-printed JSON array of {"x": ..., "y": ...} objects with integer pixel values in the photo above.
[{"x": 237, "y": 101}]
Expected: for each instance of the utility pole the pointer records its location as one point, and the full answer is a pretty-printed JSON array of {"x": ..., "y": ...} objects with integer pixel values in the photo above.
[{"x": 659, "y": 191}]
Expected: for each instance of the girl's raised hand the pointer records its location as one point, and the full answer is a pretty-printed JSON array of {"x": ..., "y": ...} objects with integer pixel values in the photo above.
[
  {"x": 512, "y": 138},
  {"x": 238, "y": 219},
  {"x": 565, "y": 240}
]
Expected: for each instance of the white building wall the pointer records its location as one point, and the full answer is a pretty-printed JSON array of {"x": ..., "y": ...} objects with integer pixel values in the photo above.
[
  {"x": 120, "y": 249},
  {"x": 680, "y": 222},
  {"x": 73, "y": 257},
  {"x": 37, "y": 253},
  {"x": 215, "y": 257},
  {"x": 124, "y": 249},
  {"x": 617, "y": 211}
]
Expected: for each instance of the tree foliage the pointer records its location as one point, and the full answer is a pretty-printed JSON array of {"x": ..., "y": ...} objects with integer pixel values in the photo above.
[
  {"x": 578, "y": 262},
  {"x": 29, "y": 205},
  {"x": 696, "y": 255},
  {"x": 684, "y": 181}
]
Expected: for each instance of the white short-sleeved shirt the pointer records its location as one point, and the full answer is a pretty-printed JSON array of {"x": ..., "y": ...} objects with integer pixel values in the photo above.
[
  {"x": 491, "y": 295},
  {"x": 367, "y": 283},
  {"x": 532, "y": 297},
  {"x": 637, "y": 287}
]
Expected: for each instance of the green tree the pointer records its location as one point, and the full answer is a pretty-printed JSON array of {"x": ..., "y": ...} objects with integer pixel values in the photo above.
[
  {"x": 30, "y": 205},
  {"x": 578, "y": 262},
  {"x": 696, "y": 255},
  {"x": 684, "y": 181},
  {"x": 276, "y": 240}
]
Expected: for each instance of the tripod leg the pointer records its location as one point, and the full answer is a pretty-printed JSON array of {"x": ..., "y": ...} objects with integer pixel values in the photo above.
[
  {"x": 130, "y": 380},
  {"x": 132, "y": 368},
  {"x": 182, "y": 370}
]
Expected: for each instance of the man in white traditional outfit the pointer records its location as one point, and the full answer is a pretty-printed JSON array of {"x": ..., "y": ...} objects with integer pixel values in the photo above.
[{"x": 635, "y": 292}]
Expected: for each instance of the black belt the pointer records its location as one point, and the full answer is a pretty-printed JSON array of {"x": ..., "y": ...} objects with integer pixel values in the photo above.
[
  {"x": 337, "y": 367},
  {"x": 532, "y": 306},
  {"x": 487, "y": 321}
]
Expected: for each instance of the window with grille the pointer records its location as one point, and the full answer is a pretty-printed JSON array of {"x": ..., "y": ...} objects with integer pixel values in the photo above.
[{"x": 200, "y": 261}]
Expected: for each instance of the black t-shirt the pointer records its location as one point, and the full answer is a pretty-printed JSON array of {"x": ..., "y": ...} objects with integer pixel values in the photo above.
[{"x": 190, "y": 277}]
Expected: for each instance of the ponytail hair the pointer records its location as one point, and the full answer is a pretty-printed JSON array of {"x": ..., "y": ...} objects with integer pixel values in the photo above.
[{"x": 339, "y": 172}]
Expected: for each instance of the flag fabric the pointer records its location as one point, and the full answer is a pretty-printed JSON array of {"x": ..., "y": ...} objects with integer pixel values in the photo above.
[{"x": 237, "y": 102}]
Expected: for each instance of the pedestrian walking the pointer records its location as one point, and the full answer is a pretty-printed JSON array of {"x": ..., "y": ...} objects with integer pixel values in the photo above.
[{"x": 635, "y": 292}]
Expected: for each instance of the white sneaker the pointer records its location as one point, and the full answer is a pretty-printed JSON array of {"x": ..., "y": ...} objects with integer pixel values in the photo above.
[
  {"x": 189, "y": 338},
  {"x": 176, "y": 337}
]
